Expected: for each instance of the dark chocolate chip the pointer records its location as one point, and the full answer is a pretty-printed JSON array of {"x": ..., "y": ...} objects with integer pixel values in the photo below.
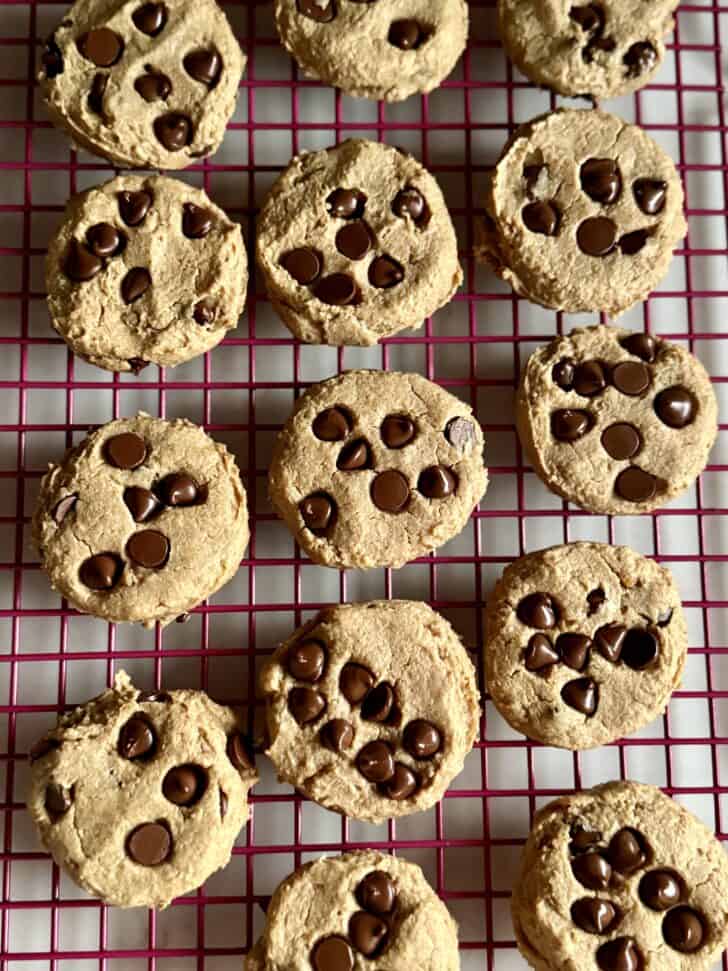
[
  {"x": 660, "y": 889},
  {"x": 460, "y": 433},
  {"x": 593, "y": 915},
  {"x": 104, "y": 240},
  {"x": 205, "y": 312},
  {"x": 390, "y": 491},
  {"x": 179, "y": 489},
  {"x": 377, "y": 893},
  {"x": 102, "y": 46},
  {"x": 378, "y": 703},
  {"x": 650, "y": 195},
  {"x": 403, "y": 784},
  {"x": 153, "y": 86},
  {"x": 125, "y": 451},
  {"x": 184, "y": 785},
  {"x": 173, "y": 131},
  {"x": 141, "y": 503},
  {"x": 149, "y": 844},
  {"x": 639, "y": 59},
  {"x": 306, "y": 704},
  {"x": 589, "y": 378},
  {"x": 354, "y": 240},
  {"x": 581, "y": 694},
  {"x": 570, "y": 424},
  {"x": 595, "y": 598},
  {"x": 304, "y": 264},
  {"x": 52, "y": 59},
  {"x": 337, "y": 735},
  {"x": 397, "y": 431},
  {"x": 627, "y": 850},
  {"x": 541, "y": 217},
  {"x": 204, "y": 66},
  {"x": 337, "y": 290},
  {"x": 134, "y": 206},
  {"x": 332, "y": 425},
  {"x": 410, "y": 202},
  {"x": 588, "y": 17},
  {"x": 58, "y": 799},
  {"x": 354, "y": 456},
  {"x": 79, "y": 263},
  {"x": 355, "y": 682},
  {"x": 631, "y": 378},
  {"x": 148, "y": 548},
  {"x": 154, "y": 697},
  {"x": 407, "y": 35},
  {"x": 592, "y": 870},
  {"x": 223, "y": 804},
  {"x": 621, "y": 954},
  {"x": 150, "y": 18},
  {"x": 633, "y": 242},
  {"x": 137, "y": 364},
  {"x": 135, "y": 284},
  {"x": 346, "y": 203},
  {"x": 635, "y": 485},
  {"x": 601, "y": 179},
  {"x": 437, "y": 482},
  {"x": 583, "y": 839},
  {"x": 643, "y": 346},
  {"x": 574, "y": 650},
  {"x": 196, "y": 221},
  {"x": 597, "y": 43},
  {"x": 324, "y": 12},
  {"x": 96, "y": 93},
  {"x": 136, "y": 739},
  {"x": 318, "y": 512},
  {"x": 610, "y": 641},
  {"x": 621, "y": 440},
  {"x": 676, "y": 407},
  {"x": 239, "y": 753},
  {"x": 101, "y": 572},
  {"x": 422, "y": 739},
  {"x": 531, "y": 175},
  {"x": 306, "y": 660},
  {"x": 540, "y": 653},
  {"x": 537, "y": 610},
  {"x": 385, "y": 272},
  {"x": 563, "y": 373},
  {"x": 368, "y": 933},
  {"x": 640, "y": 648},
  {"x": 597, "y": 236},
  {"x": 376, "y": 762},
  {"x": 64, "y": 507},
  {"x": 332, "y": 953},
  {"x": 684, "y": 930}
]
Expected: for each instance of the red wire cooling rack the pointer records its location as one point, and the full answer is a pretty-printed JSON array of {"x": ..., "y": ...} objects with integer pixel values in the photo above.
[{"x": 50, "y": 658}]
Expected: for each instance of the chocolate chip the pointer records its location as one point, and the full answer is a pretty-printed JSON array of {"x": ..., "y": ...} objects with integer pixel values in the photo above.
[
  {"x": 354, "y": 456},
  {"x": 650, "y": 195},
  {"x": 58, "y": 799},
  {"x": 597, "y": 236},
  {"x": 136, "y": 739},
  {"x": 660, "y": 889},
  {"x": 390, "y": 491},
  {"x": 635, "y": 485},
  {"x": 460, "y": 433},
  {"x": 583, "y": 839},
  {"x": 238, "y": 752},
  {"x": 537, "y": 610},
  {"x": 135, "y": 284},
  {"x": 610, "y": 640},
  {"x": 627, "y": 850},
  {"x": 570, "y": 424},
  {"x": 96, "y": 93},
  {"x": 332, "y": 953},
  {"x": 597, "y": 43},
  {"x": 368, "y": 933},
  {"x": 153, "y": 86},
  {"x": 141, "y": 503},
  {"x": 355, "y": 682},
  {"x": 304, "y": 264},
  {"x": 437, "y": 482},
  {"x": 149, "y": 549},
  {"x": 318, "y": 512},
  {"x": 541, "y": 217},
  {"x": 149, "y": 844},
  {"x": 179, "y": 489},
  {"x": 676, "y": 407},
  {"x": 410, "y": 202},
  {"x": 337, "y": 290},
  {"x": 588, "y": 17},
  {"x": 403, "y": 784},
  {"x": 574, "y": 650},
  {"x": 305, "y": 704},
  {"x": 639, "y": 59},
  {"x": 631, "y": 378},
  {"x": 643, "y": 346},
  {"x": 204, "y": 66},
  {"x": 173, "y": 130},
  {"x": 621, "y": 440},
  {"x": 595, "y": 598},
  {"x": 305, "y": 660},
  {"x": 378, "y": 703},
  {"x": 407, "y": 35},
  {"x": 581, "y": 694},
  {"x": 346, "y": 203},
  {"x": 223, "y": 804},
  {"x": 640, "y": 648},
  {"x": 137, "y": 364},
  {"x": 422, "y": 739},
  {"x": 52, "y": 59},
  {"x": 632, "y": 243},
  {"x": 621, "y": 954},
  {"x": 531, "y": 175},
  {"x": 397, "y": 431},
  {"x": 385, "y": 272},
  {"x": 64, "y": 507},
  {"x": 376, "y": 762},
  {"x": 664, "y": 617},
  {"x": 332, "y": 424},
  {"x": 593, "y": 915},
  {"x": 377, "y": 893},
  {"x": 324, "y": 12},
  {"x": 185, "y": 785},
  {"x": 601, "y": 179},
  {"x": 204, "y": 312},
  {"x": 101, "y": 572},
  {"x": 125, "y": 451},
  {"x": 79, "y": 263},
  {"x": 337, "y": 735},
  {"x": 150, "y": 18},
  {"x": 134, "y": 206},
  {"x": 563, "y": 373},
  {"x": 683, "y": 929},
  {"x": 540, "y": 653},
  {"x": 354, "y": 240},
  {"x": 102, "y": 46},
  {"x": 104, "y": 240},
  {"x": 589, "y": 378},
  {"x": 196, "y": 221},
  {"x": 161, "y": 697},
  {"x": 592, "y": 870}
]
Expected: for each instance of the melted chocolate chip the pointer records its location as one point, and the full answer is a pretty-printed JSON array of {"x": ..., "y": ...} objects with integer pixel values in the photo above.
[
  {"x": 354, "y": 240},
  {"x": 368, "y": 933},
  {"x": 410, "y": 202},
  {"x": 570, "y": 424},
  {"x": 64, "y": 507},
  {"x": 684, "y": 930},
  {"x": 635, "y": 485},
  {"x": 378, "y": 703},
  {"x": 589, "y": 379},
  {"x": 403, "y": 784},
  {"x": 204, "y": 66},
  {"x": 574, "y": 650},
  {"x": 541, "y": 217},
  {"x": 135, "y": 284},
  {"x": 627, "y": 850},
  {"x": 150, "y": 18},
  {"x": 149, "y": 549},
  {"x": 540, "y": 653},
  {"x": 437, "y": 482},
  {"x": 337, "y": 290},
  {"x": 52, "y": 59},
  {"x": 324, "y": 12},
  {"x": 639, "y": 59},
  {"x": 204, "y": 312},
  {"x": 597, "y": 236},
  {"x": 610, "y": 640},
  {"x": 318, "y": 512},
  {"x": 179, "y": 489},
  {"x": 354, "y": 456},
  {"x": 601, "y": 179},
  {"x": 134, "y": 206},
  {"x": 650, "y": 195},
  {"x": 104, "y": 240},
  {"x": 332, "y": 953},
  {"x": 238, "y": 752},
  {"x": 643, "y": 346},
  {"x": 621, "y": 954},
  {"x": 101, "y": 572},
  {"x": 196, "y": 221},
  {"x": 460, "y": 433},
  {"x": 397, "y": 431},
  {"x": 137, "y": 364},
  {"x": 537, "y": 610},
  {"x": 377, "y": 893},
  {"x": 125, "y": 451},
  {"x": 676, "y": 407},
  {"x": 640, "y": 648},
  {"x": 185, "y": 785},
  {"x": 306, "y": 704},
  {"x": 141, "y": 503},
  {"x": 660, "y": 889},
  {"x": 582, "y": 694},
  {"x": 407, "y": 35},
  {"x": 346, "y": 203},
  {"x": 96, "y": 93},
  {"x": 631, "y": 378},
  {"x": 593, "y": 915},
  {"x": 332, "y": 425},
  {"x": 304, "y": 264},
  {"x": 583, "y": 839},
  {"x": 588, "y": 17},
  {"x": 337, "y": 735},
  {"x": 385, "y": 272},
  {"x": 355, "y": 682},
  {"x": 136, "y": 739},
  {"x": 376, "y": 762},
  {"x": 80, "y": 264},
  {"x": 563, "y": 373},
  {"x": 58, "y": 799},
  {"x": 422, "y": 739},
  {"x": 621, "y": 440},
  {"x": 592, "y": 870},
  {"x": 149, "y": 844},
  {"x": 153, "y": 86},
  {"x": 595, "y": 598},
  {"x": 632, "y": 243},
  {"x": 173, "y": 131},
  {"x": 306, "y": 660},
  {"x": 390, "y": 491},
  {"x": 101, "y": 46}
]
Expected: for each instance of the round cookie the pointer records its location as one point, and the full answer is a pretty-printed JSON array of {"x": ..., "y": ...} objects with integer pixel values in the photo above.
[
  {"x": 144, "y": 84},
  {"x": 356, "y": 243},
  {"x": 584, "y": 643},
  {"x": 598, "y": 50},
  {"x": 375, "y": 468},
  {"x": 381, "y": 49},
  {"x": 583, "y": 212},
  {"x": 363, "y": 909},
  {"x": 616, "y": 421},
  {"x": 620, "y": 878},
  {"x": 145, "y": 270},
  {"x": 142, "y": 520},
  {"x": 139, "y": 796},
  {"x": 371, "y": 708}
]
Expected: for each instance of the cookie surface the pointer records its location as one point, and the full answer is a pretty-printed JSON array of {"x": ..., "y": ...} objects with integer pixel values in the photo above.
[
  {"x": 602, "y": 50},
  {"x": 382, "y": 49},
  {"x": 371, "y": 708},
  {"x": 620, "y": 878},
  {"x": 145, "y": 269},
  {"x": 616, "y": 421},
  {"x": 144, "y": 84},
  {"x": 376, "y": 468},
  {"x": 142, "y": 520},
  {"x": 362, "y": 909},
  {"x": 139, "y": 795},
  {"x": 583, "y": 212},
  {"x": 356, "y": 243},
  {"x": 584, "y": 643}
]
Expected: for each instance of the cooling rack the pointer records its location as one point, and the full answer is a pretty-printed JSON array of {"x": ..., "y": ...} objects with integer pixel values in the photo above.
[{"x": 51, "y": 658}]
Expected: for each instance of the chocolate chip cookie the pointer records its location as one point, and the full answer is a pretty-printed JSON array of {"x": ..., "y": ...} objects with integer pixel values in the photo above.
[
  {"x": 140, "y": 795},
  {"x": 142, "y": 520},
  {"x": 371, "y": 708},
  {"x": 600, "y": 49},
  {"x": 145, "y": 270},
  {"x": 616, "y": 421},
  {"x": 356, "y": 911},
  {"x": 376, "y": 468},
  {"x": 620, "y": 878},
  {"x": 583, "y": 212},
  {"x": 382, "y": 49},
  {"x": 584, "y": 643},
  {"x": 146, "y": 84},
  {"x": 356, "y": 243}
]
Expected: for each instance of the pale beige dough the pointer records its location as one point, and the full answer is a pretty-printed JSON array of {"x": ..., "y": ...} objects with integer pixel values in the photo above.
[{"x": 110, "y": 795}]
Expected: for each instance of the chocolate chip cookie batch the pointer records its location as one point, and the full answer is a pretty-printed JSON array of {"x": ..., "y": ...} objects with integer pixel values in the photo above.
[{"x": 371, "y": 709}]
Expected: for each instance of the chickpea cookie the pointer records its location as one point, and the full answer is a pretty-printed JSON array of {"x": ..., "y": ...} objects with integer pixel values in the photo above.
[
  {"x": 371, "y": 708},
  {"x": 140, "y": 795},
  {"x": 356, "y": 243},
  {"x": 616, "y": 421},
  {"x": 363, "y": 909},
  {"x": 584, "y": 643},
  {"x": 583, "y": 212},
  {"x": 381, "y": 49},
  {"x": 145, "y": 270},
  {"x": 144, "y": 84},
  {"x": 620, "y": 878},
  {"x": 376, "y": 468},
  {"x": 142, "y": 520}
]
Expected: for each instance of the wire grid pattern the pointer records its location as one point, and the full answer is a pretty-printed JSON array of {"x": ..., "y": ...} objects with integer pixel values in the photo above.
[{"x": 50, "y": 658}]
